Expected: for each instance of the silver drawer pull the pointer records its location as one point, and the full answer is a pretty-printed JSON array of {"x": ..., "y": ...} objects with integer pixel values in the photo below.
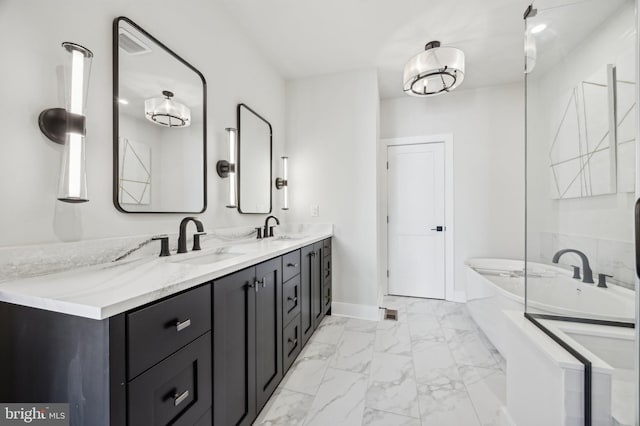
[
  {"x": 292, "y": 265},
  {"x": 182, "y": 325},
  {"x": 179, "y": 399},
  {"x": 293, "y": 299},
  {"x": 294, "y": 341}
]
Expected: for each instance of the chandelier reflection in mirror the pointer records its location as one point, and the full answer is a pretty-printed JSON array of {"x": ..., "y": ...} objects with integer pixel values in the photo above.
[
  {"x": 432, "y": 72},
  {"x": 167, "y": 112}
]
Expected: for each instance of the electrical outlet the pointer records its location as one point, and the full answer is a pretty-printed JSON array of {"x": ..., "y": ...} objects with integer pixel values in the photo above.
[{"x": 315, "y": 210}]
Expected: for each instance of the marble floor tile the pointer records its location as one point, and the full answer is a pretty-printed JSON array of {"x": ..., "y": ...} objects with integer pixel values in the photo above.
[
  {"x": 382, "y": 418},
  {"x": 422, "y": 306},
  {"x": 424, "y": 327},
  {"x": 445, "y": 402},
  {"x": 340, "y": 400},
  {"x": 432, "y": 360},
  {"x": 392, "y": 386},
  {"x": 467, "y": 348},
  {"x": 307, "y": 371},
  {"x": 330, "y": 330},
  {"x": 354, "y": 352},
  {"x": 433, "y": 367},
  {"x": 459, "y": 320},
  {"x": 393, "y": 337},
  {"x": 285, "y": 408},
  {"x": 363, "y": 326}
]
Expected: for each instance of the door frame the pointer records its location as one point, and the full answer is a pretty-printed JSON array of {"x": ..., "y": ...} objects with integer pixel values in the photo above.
[{"x": 447, "y": 139}]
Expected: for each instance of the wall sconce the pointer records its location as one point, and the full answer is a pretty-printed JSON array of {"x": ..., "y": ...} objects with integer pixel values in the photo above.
[
  {"x": 68, "y": 126},
  {"x": 283, "y": 183},
  {"x": 227, "y": 169}
]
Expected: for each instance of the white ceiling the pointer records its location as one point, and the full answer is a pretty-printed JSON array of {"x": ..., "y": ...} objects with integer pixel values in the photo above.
[{"x": 312, "y": 37}]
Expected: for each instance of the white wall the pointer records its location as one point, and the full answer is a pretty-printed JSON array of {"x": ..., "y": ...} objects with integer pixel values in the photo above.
[
  {"x": 488, "y": 138},
  {"x": 31, "y": 31},
  {"x": 331, "y": 143}
]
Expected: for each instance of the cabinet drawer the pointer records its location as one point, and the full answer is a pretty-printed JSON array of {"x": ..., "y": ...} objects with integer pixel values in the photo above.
[
  {"x": 326, "y": 247},
  {"x": 290, "y": 265},
  {"x": 291, "y": 342},
  {"x": 291, "y": 299},
  {"x": 159, "y": 330},
  {"x": 177, "y": 391}
]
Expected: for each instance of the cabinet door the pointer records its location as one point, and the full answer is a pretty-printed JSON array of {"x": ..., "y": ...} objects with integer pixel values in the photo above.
[
  {"x": 234, "y": 349},
  {"x": 268, "y": 329},
  {"x": 316, "y": 284},
  {"x": 306, "y": 302}
]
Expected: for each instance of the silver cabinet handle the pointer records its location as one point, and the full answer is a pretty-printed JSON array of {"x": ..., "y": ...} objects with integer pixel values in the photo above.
[
  {"x": 293, "y": 299},
  {"x": 178, "y": 399},
  {"x": 182, "y": 325},
  {"x": 255, "y": 285},
  {"x": 292, "y": 265},
  {"x": 294, "y": 341},
  {"x": 263, "y": 282}
]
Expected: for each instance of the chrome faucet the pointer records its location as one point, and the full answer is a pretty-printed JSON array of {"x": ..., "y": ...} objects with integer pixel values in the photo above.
[
  {"x": 182, "y": 238},
  {"x": 587, "y": 276},
  {"x": 268, "y": 231}
]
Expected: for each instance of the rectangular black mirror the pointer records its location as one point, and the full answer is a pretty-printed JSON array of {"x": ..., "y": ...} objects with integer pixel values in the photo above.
[
  {"x": 159, "y": 126},
  {"x": 254, "y": 162}
]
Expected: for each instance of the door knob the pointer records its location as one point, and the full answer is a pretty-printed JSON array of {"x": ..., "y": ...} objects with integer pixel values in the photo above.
[{"x": 438, "y": 228}]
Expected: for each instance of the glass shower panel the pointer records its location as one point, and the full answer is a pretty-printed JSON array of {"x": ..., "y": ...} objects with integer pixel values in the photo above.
[{"x": 581, "y": 182}]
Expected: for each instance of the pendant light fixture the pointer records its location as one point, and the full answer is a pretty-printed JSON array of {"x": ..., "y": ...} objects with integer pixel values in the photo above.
[
  {"x": 432, "y": 72},
  {"x": 167, "y": 112},
  {"x": 68, "y": 126}
]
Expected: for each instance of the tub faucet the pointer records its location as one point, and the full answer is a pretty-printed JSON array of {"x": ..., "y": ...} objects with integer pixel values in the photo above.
[{"x": 587, "y": 276}]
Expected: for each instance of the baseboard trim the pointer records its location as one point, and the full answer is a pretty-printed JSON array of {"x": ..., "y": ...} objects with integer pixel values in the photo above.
[
  {"x": 459, "y": 296},
  {"x": 352, "y": 310}
]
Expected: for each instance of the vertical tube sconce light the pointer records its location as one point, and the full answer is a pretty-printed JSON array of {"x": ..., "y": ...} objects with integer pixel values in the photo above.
[
  {"x": 227, "y": 169},
  {"x": 283, "y": 183},
  {"x": 68, "y": 126}
]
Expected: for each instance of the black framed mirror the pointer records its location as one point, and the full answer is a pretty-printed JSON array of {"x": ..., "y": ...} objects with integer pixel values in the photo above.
[
  {"x": 159, "y": 126},
  {"x": 254, "y": 162}
]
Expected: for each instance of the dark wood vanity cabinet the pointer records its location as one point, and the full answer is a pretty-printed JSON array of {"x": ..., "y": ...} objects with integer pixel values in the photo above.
[
  {"x": 211, "y": 355},
  {"x": 247, "y": 350},
  {"x": 151, "y": 365}
]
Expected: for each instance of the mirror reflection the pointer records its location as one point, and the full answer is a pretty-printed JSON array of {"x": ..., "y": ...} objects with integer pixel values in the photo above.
[
  {"x": 254, "y": 162},
  {"x": 159, "y": 128}
]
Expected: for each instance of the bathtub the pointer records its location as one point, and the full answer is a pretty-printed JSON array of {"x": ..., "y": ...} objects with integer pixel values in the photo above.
[{"x": 496, "y": 285}]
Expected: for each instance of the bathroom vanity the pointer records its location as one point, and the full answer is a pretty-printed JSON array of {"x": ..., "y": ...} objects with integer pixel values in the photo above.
[{"x": 210, "y": 348}]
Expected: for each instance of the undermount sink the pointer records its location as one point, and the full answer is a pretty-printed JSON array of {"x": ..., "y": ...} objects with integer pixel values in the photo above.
[
  {"x": 204, "y": 259},
  {"x": 291, "y": 236}
]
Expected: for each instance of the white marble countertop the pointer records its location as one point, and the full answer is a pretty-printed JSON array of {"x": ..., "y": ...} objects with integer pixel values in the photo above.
[{"x": 101, "y": 291}]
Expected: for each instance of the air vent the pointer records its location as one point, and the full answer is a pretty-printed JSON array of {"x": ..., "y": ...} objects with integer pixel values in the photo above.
[
  {"x": 131, "y": 44},
  {"x": 391, "y": 314}
]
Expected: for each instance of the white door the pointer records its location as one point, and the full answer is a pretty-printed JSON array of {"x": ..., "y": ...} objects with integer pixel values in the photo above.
[{"x": 416, "y": 194}]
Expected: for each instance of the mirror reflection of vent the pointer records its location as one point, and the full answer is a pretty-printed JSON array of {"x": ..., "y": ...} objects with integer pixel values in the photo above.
[{"x": 131, "y": 44}]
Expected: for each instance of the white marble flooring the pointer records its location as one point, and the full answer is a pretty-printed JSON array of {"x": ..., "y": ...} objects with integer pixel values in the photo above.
[{"x": 431, "y": 367}]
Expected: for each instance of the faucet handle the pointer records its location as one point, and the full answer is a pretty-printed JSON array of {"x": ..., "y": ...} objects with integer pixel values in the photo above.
[
  {"x": 576, "y": 272},
  {"x": 602, "y": 280},
  {"x": 271, "y": 231},
  {"x": 196, "y": 240},
  {"x": 164, "y": 244},
  {"x": 259, "y": 231}
]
